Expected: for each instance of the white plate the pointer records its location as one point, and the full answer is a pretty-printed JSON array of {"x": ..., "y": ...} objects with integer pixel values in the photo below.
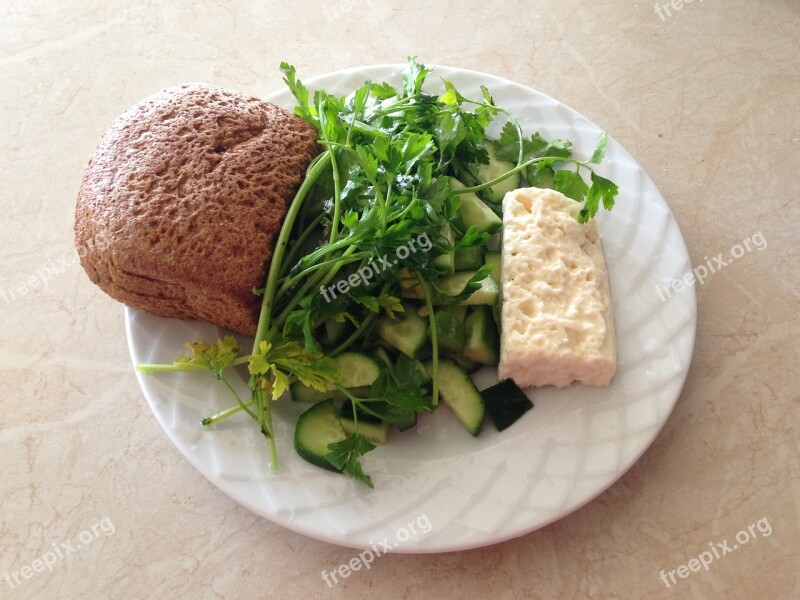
[{"x": 472, "y": 492}]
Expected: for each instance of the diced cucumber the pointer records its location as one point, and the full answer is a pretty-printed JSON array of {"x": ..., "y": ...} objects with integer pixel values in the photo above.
[
  {"x": 482, "y": 343},
  {"x": 470, "y": 366},
  {"x": 372, "y": 428},
  {"x": 469, "y": 258},
  {"x": 382, "y": 355},
  {"x": 454, "y": 284},
  {"x": 450, "y": 332},
  {"x": 406, "y": 278},
  {"x": 495, "y": 242},
  {"x": 302, "y": 393},
  {"x": 460, "y": 394},
  {"x": 408, "y": 332},
  {"x": 316, "y": 428},
  {"x": 495, "y": 259},
  {"x": 358, "y": 372},
  {"x": 543, "y": 178},
  {"x": 474, "y": 211},
  {"x": 357, "y": 369},
  {"x": 420, "y": 368},
  {"x": 459, "y": 311},
  {"x": 505, "y": 403},
  {"x": 410, "y": 422},
  {"x": 494, "y": 169},
  {"x": 336, "y": 331},
  {"x": 446, "y": 261}
]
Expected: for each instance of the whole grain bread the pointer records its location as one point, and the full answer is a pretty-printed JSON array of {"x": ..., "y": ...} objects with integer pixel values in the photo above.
[{"x": 187, "y": 191}]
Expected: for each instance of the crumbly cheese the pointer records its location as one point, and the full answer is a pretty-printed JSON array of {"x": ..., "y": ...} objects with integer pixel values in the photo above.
[{"x": 558, "y": 325}]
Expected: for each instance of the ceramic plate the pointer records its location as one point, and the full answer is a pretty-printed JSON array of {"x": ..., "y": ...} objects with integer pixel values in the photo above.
[{"x": 437, "y": 488}]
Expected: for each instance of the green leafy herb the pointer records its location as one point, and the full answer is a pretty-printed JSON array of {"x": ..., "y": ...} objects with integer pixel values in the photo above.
[
  {"x": 214, "y": 357},
  {"x": 346, "y": 456}
]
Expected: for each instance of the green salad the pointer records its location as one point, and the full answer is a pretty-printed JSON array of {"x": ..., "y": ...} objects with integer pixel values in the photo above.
[{"x": 382, "y": 295}]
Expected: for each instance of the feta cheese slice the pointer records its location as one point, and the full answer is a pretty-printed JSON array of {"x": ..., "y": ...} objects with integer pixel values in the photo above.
[{"x": 558, "y": 325}]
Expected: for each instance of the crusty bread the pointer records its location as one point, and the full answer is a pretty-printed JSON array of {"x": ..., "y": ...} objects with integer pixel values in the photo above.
[{"x": 188, "y": 190}]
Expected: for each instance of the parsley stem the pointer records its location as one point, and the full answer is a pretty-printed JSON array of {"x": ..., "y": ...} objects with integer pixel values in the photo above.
[
  {"x": 362, "y": 327},
  {"x": 426, "y": 292},
  {"x": 517, "y": 169},
  {"x": 316, "y": 168},
  {"x": 319, "y": 278},
  {"x": 264, "y": 406},
  {"x": 168, "y": 368},
  {"x": 337, "y": 200},
  {"x": 241, "y": 404},
  {"x": 290, "y": 282},
  {"x": 290, "y": 258},
  {"x": 224, "y": 414}
]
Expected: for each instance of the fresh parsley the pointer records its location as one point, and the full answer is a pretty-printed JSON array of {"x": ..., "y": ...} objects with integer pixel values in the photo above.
[{"x": 383, "y": 177}]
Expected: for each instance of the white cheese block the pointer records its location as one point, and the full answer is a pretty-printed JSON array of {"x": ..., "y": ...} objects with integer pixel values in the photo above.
[{"x": 557, "y": 319}]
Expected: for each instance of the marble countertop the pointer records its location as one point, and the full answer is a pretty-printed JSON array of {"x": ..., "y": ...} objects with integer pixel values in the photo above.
[{"x": 96, "y": 501}]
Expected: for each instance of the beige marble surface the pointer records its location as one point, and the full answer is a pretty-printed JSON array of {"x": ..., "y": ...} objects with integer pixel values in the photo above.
[{"x": 707, "y": 99}]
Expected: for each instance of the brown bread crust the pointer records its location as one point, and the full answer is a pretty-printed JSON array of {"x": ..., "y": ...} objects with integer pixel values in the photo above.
[{"x": 181, "y": 204}]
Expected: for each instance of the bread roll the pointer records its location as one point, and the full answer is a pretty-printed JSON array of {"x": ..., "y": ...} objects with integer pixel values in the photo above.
[{"x": 188, "y": 190}]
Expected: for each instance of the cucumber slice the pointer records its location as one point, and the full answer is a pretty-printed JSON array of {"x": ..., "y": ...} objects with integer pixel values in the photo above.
[
  {"x": 541, "y": 179},
  {"x": 460, "y": 394},
  {"x": 470, "y": 366},
  {"x": 459, "y": 311},
  {"x": 482, "y": 344},
  {"x": 495, "y": 259},
  {"x": 336, "y": 332},
  {"x": 450, "y": 332},
  {"x": 494, "y": 169},
  {"x": 408, "y": 332},
  {"x": 408, "y": 423},
  {"x": 302, "y": 393},
  {"x": 407, "y": 279},
  {"x": 469, "y": 258},
  {"x": 316, "y": 428},
  {"x": 453, "y": 285},
  {"x": 382, "y": 355},
  {"x": 372, "y": 428},
  {"x": 358, "y": 372},
  {"x": 474, "y": 211},
  {"x": 505, "y": 403},
  {"x": 357, "y": 369},
  {"x": 446, "y": 261}
]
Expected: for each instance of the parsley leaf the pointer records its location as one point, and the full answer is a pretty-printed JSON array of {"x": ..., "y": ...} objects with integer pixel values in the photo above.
[
  {"x": 602, "y": 190},
  {"x": 346, "y": 456},
  {"x": 600, "y": 151},
  {"x": 571, "y": 184},
  {"x": 214, "y": 357}
]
